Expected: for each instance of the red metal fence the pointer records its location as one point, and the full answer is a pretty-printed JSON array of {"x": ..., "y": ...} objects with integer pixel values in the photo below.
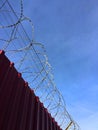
[{"x": 20, "y": 109}]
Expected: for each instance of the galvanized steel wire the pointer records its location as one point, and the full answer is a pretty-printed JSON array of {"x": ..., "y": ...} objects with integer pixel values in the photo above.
[{"x": 31, "y": 60}]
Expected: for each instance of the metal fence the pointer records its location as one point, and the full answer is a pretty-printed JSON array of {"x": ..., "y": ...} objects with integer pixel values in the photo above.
[{"x": 20, "y": 109}]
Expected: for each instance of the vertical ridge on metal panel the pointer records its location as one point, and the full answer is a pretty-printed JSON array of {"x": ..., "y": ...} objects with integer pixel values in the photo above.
[
  {"x": 47, "y": 119},
  {"x": 37, "y": 109},
  {"x": 30, "y": 115},
  {"x": 24, "y": 114},
  {"x": 32, "y": 111},
  {"x": 50, "y": 122},
  {"x": 16, "y": 103},
  {"x": 4, "y": 66},
  {"x": 20, "y": 109},
  {"x": 1, "y": 56},
  {"x": 43, "y": 117},
  {"x": 40, "y": 116}
]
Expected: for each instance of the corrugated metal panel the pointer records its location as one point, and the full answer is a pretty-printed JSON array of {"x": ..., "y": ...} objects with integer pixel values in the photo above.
[{"x": 20, "y": 109}]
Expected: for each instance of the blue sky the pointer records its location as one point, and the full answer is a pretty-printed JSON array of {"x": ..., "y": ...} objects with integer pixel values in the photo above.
[{"x": 69, "y": 31}]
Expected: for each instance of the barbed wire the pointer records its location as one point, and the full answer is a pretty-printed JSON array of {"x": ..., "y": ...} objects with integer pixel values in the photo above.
[{"x": 31, "y": 60}]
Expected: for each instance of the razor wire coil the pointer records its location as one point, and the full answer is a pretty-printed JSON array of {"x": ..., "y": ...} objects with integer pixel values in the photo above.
[{"x": 31, "y": 60}]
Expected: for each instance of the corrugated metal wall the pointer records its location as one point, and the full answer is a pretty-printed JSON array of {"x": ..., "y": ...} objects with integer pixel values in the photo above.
[{"x": 20, "y": 109}]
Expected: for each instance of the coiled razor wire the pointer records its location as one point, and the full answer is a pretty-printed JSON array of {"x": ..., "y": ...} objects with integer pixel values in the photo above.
[{"x": 31, "y": 60}]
